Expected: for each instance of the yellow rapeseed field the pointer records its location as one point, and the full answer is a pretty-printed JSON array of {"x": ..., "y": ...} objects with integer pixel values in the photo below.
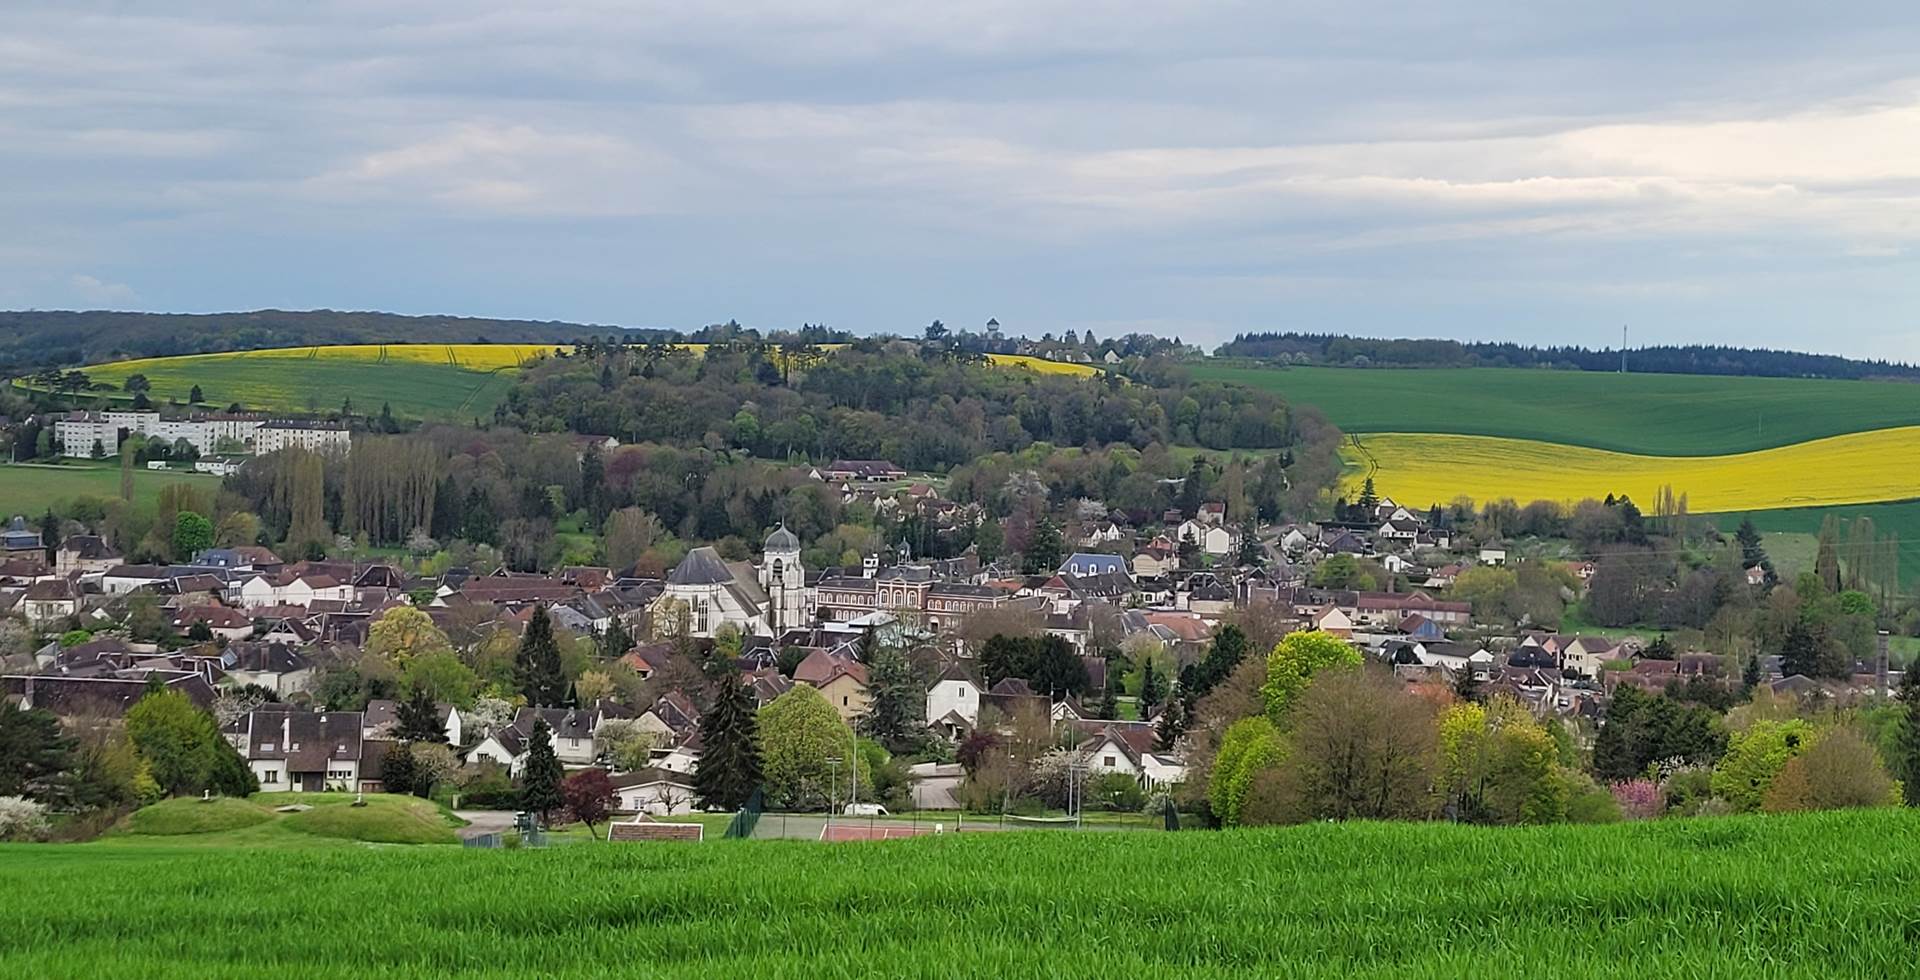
[
  {"x": 1419, "y": 469},
  {"x": 1040, "y": 365}
]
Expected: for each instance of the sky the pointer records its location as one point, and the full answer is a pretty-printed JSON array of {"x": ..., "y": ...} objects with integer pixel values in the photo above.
[{"x": 1702, "y": 172}]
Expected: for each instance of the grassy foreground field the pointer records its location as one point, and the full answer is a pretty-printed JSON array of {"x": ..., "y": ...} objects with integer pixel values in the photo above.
[
  {"x": 30, "y": 489},
  {"x": 1827, "y": 895},
  {"x": 1651, "y": 414},
  {"x": 1418, "y": 469}
]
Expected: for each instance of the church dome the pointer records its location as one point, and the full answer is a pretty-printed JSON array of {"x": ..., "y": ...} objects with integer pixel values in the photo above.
[{"x": 782, "y": 540}]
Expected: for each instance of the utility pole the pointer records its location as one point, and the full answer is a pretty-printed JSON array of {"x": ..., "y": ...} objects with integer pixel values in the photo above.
[{"x": 1623, "y": 348}]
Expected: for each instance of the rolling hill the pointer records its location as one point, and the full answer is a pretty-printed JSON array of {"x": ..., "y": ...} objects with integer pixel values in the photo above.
[
  {"x": 1646, "y": 414},
  {"x": 428, "y": 381}
]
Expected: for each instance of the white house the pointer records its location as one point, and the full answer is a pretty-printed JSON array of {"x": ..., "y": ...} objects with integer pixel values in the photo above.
[
  {"x": 287, "y": 589},
  {"x": 1212, "y": 539},
  {"x": 1584, "y": 654},
  {"x": 953, "y": 702},
  {"x": 571, "y": 731},
  {"x": 1493, "y": 556},
  {"x": 49, "y": 600},
  {"x": 304, "y": 751},
  {"x": 655, "y": 792}
]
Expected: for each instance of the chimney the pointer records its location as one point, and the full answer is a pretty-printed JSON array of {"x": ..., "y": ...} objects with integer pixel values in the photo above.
[{"x": 1880, "y": 668}]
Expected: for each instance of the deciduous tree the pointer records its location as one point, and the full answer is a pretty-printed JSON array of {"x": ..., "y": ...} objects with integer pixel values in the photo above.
[
  {"x": 1293, "y": 663},
  {"x": 589, "y": 796}
]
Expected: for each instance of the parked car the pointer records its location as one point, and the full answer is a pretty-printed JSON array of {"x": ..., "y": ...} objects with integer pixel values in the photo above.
[{"x": 865, "y": 810}]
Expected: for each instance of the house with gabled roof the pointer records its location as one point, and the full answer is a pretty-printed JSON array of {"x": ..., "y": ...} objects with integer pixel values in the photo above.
[
  {"x": 953, "y": 702},
  {"x": 842, "y": 680}
]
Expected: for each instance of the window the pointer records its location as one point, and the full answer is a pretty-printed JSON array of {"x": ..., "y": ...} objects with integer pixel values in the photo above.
[
  {"x": 843, "y": 701},
  {"x": 573, "y": 743},
  {"x": 270, "y": 776},
  {"x": 1108, "y": 762}
]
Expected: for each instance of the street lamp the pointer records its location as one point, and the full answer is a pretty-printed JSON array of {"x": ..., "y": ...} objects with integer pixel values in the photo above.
[{"x": 833, "y": 786}]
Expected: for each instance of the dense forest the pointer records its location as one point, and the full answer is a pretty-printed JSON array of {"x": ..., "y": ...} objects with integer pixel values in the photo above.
[
  {"x": 924, "y": 407},
  {"x": 1345, "y": 351}
]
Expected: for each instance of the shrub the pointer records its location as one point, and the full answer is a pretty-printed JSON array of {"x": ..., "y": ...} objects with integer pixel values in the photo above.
[
  {"x": 1841, "y": 770},
  {"x": 1249, "y": 747},
  {"x": 1639, "y": 799},
  {"x": 1586, "y": 800},
  {"x": 21, "y": 819},
  {"x": 1755, "y": 757},
  {"x": 1117, "y": 791}
]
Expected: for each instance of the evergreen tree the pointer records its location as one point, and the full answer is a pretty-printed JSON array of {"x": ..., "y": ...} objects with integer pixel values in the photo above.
[
  {"x": 195, "y": 396},
  {"x": 896, "y": 713},
  {"x": 396, "y": 771},
  {"x": 1660, "y": 649},
  {"x": 1044, "y": 549},
  {"x": 728, "y": 771},
  {"x": 419, "y": 719},
  {"x": 1173, "y": 722},
  {"x": 33, "y": 752},
  {"x": 1907, "y": 740},
  {"x": 616, "y": 641},
  {"x": 540, "y": 785},
  {"x": 1251, "y": 554},
  {"x": 49, "y": 534},
  {"x": 1466, "y": 687},
  {"x": 536, "y": 668},
  {"x": 1369, "y": 499},
  {"x": 1108, "y": 706},
  {"x": 1751, "y": 554},
  {"x": 1193, "y": 492},
  {"x": 1750, "y": 674},
  {"x": 1152, "y": 689}
]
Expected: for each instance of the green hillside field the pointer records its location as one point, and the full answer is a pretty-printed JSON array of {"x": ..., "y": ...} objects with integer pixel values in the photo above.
[
  {"x": 31, "y": 489},
  {"x": 1651, "y": 414},
  {"x": 295, "y": 381},
  {"x": 1822, "y": 895}
]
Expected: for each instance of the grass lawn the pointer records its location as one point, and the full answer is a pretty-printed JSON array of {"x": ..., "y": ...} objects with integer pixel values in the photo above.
[
  {"x": 253, "y": 822},
  {"x": 1652, "y": 414},
  {"x": 1824, "y": 895},
  {"x": 31, "y": 488},
  {"x": 1900, "y": 517}
]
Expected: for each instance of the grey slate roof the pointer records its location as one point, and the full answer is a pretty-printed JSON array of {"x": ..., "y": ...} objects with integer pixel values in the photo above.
[{"x": 702, "y": 566}]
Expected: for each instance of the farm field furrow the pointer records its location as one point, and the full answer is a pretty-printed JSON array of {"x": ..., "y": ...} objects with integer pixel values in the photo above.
[
  {"x": 1821, "y": 895},
  {"x": 1418, "y": 469},
  {"x": 1649, "y": 414}
]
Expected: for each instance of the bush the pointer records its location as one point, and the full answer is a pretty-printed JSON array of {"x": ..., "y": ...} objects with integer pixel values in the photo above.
[
  {"x": 1839, "y": 771},
  {"x": 21, "y": 819},
  {"x": 1586, "y": 800},
  {"x": 1117, "y": 791},
  {"x": 1686, "y": 789},
  {"x": 1639, "y": 799}
]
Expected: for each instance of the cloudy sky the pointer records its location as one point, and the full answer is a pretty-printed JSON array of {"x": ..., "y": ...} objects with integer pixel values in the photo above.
[{"x": 1712, "y": 171}]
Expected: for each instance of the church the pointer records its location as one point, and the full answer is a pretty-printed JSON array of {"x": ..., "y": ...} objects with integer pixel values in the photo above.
[{"x": 711, "y": 592}]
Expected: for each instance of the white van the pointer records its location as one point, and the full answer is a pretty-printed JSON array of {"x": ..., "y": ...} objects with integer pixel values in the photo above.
[{"x": 865, "y": 810}]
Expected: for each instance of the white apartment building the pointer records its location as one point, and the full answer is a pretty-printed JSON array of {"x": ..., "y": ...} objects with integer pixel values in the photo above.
[
  {"x": 79, "y": 432},
  {"x": 313, "y": 436}
]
